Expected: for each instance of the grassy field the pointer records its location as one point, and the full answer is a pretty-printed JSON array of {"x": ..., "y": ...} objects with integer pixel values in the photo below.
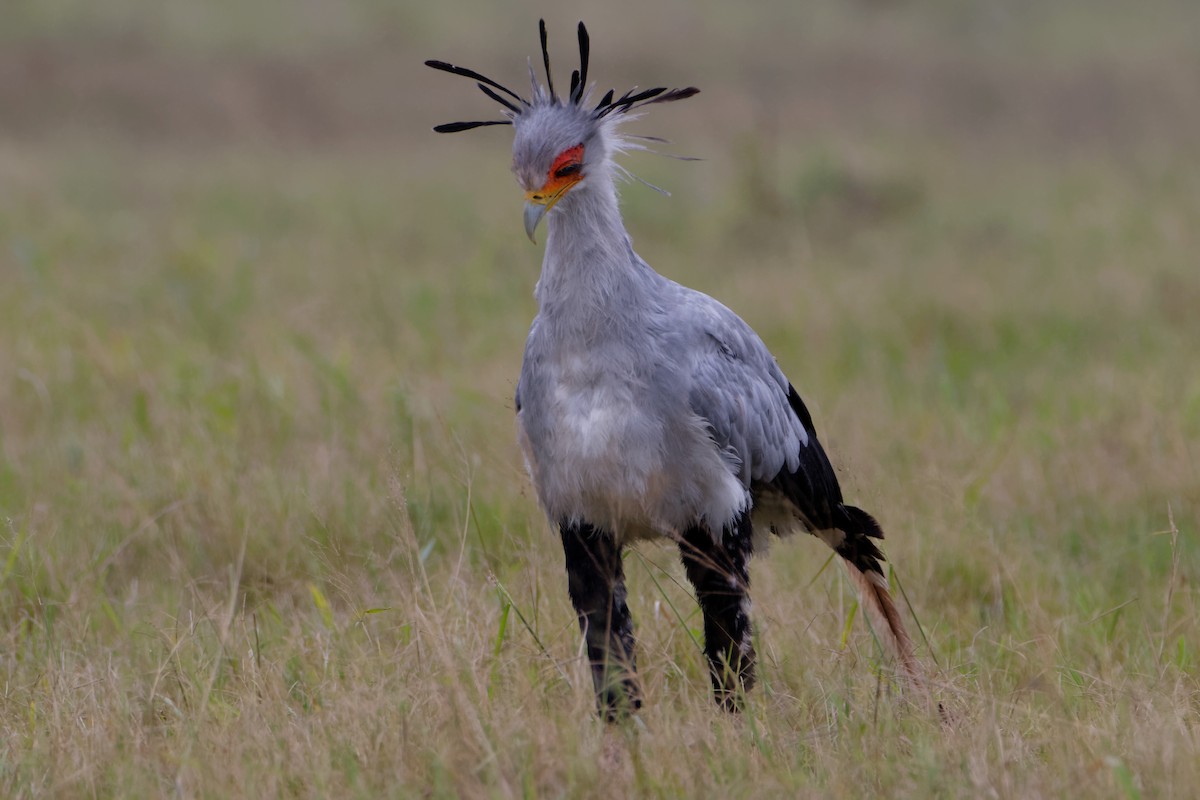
[{"x": 264, "y": 530}]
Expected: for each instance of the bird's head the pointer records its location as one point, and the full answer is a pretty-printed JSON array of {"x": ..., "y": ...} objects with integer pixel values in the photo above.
[{"x": 561, "y": 141}]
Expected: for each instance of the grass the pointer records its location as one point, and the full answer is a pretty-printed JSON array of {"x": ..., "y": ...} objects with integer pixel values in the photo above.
[{"x": 263, "y": 526}]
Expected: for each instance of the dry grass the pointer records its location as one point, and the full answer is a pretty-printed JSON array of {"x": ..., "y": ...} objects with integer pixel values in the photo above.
[{"x": 263, "y": 527}]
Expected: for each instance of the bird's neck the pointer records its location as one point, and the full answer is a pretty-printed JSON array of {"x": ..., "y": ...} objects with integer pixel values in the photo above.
[{"x": 590, "y": 271}]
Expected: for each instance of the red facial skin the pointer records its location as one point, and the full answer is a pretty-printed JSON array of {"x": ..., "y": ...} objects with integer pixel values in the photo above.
[{"x": 563, "y": 174}]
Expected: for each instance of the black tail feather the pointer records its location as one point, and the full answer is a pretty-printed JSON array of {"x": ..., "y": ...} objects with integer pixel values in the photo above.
[
  {"x": 862, "y": 559},
  {"x": 856, "y": 520},
  {"x": 859, "y": 528}
]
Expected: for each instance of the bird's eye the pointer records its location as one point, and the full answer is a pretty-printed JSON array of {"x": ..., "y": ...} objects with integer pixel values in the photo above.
[
  {"x": 567, "y": 170},
  {"x": 569, "y": 162}
]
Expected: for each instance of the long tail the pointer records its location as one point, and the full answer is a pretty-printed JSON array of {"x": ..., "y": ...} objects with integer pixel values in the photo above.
[{"x": 862, "y": 559}]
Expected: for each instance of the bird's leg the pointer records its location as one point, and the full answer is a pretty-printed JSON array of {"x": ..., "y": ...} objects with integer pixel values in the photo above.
[
  {"x": 720, "y": 573},
  {"x": 596, "y": 582}
]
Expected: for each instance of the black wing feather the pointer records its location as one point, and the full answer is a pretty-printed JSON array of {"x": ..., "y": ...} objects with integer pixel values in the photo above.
[{"x": 813, "y": 488}]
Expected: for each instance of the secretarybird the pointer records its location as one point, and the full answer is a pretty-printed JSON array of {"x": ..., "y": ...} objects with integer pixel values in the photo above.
[{"x": 647, "y": 409}]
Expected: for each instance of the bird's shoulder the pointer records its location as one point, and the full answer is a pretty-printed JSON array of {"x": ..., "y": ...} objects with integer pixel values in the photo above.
[
  {"x": 738, "y": 389},
  {"x": 719, "y": 335}
]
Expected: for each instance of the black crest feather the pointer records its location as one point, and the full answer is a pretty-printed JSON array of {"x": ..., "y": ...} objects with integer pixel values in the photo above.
[
  {"x": 604, "y": 101},
  {"x": 498, "y": 98},
  {"x": 673, "y": 95},
  {"x": 455, "y": 127},
  {"x": 470, "y": 73},
  {"x": 626, "y": 101},
  {"x": 632, "y": 99},
  {"x": 585, "y": 49},
  {"x": 546, "y": 59}
]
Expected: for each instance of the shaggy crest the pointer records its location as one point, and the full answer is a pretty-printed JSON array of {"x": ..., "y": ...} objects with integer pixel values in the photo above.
[{"x": 545, "y": 95}]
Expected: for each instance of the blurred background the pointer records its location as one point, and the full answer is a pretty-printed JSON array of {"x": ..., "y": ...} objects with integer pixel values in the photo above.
[
  {"x": 1106, "y": 75},
  {"x": 234, "y": 216},
  {"x": 260, "y": 329}
]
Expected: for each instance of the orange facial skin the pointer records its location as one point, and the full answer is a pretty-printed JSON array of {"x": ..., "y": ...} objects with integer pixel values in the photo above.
[{"x": 565, "y": 172}]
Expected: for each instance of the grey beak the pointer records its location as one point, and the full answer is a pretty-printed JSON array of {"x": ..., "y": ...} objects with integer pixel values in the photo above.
[{"x": 533, "y": 215}]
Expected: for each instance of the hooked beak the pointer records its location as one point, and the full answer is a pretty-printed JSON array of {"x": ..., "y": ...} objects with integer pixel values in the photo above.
[
  {"x": 539, "y": 201},
  {"x": 534, "y": 211}
]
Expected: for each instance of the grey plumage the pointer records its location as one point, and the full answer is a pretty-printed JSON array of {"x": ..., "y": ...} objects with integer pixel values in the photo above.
[{"x": 647, "y": 409}]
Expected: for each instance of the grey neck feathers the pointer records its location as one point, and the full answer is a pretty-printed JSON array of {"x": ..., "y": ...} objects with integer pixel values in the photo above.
[{"x": 591, "y": 279}]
